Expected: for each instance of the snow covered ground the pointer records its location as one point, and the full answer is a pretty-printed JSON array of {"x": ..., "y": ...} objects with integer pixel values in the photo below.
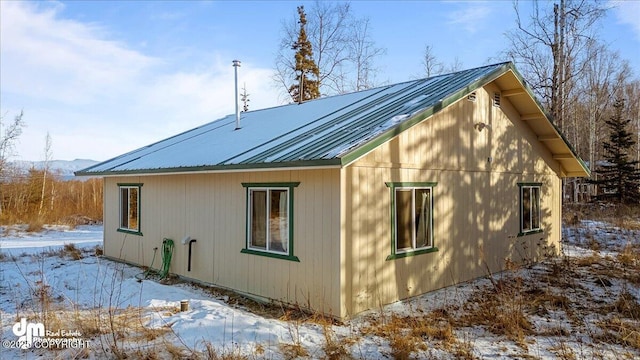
[{"x": 583, "y": 305}]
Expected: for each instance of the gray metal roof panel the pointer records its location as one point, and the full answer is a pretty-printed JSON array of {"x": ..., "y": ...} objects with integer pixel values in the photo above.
[{"x": 315, "y": 131}]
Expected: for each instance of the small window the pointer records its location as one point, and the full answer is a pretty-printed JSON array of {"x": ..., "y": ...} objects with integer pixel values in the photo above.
[
  {"x": 530, "y": 221},
  {"x": 496, "y": 99},
  {"x": 129, "y": 208},
  {"x": 269, "y": 220},
  {"x": 412, "y": 219}
]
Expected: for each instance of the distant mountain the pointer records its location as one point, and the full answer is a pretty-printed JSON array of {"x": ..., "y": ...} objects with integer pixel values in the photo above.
[{"x": 62, "y": 168}]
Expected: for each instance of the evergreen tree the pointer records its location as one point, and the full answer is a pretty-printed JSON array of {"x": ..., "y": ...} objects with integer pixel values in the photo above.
[
  {"x": 307, "y": 72},
  {"x": 619, "y": 176}
]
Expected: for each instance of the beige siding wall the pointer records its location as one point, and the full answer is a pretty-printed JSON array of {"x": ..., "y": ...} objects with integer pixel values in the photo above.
[
  {"x": 212, "y": 209},
  {"x": 476, "y": 203}
]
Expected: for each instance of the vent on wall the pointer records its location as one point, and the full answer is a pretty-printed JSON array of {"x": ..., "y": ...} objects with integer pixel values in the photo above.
[
  {"x": 472, "y": 97},
  {"x": 496, "y": 99}
]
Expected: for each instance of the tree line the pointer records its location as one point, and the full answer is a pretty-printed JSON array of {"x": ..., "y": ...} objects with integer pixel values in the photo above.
[{"x": 39, "y": 197}]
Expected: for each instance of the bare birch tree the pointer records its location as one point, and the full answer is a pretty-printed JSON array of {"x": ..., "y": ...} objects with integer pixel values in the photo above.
[
  {"x": 550, "y": 49},
  {"x": 9, "y": 135},
  {"x": 362, "y": 55},
  {"x": 430, "y": 63},
  {"x": 45, "y": 169}
]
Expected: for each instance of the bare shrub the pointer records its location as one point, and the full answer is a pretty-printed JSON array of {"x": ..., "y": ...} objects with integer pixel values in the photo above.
[
  {"x": 71, "y": 250},
  {"x": 35, "y": 225}
]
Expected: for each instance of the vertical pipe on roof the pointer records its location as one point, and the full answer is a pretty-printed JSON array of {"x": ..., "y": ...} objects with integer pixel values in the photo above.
[{"x": 236, "y": 65}]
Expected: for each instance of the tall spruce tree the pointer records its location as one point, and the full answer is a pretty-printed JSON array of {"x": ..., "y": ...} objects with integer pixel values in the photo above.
[
  {"x": 619, "y": 176},
  {"x": 307, "y": 72}
]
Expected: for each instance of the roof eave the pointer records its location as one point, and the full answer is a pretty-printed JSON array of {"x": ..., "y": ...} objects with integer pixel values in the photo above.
[
  {"x": 583, "y": 170},
  {"x": 323, "y": 163}
]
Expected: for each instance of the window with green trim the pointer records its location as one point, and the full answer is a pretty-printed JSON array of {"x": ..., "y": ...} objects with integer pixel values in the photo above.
[
  {"x": 412, "y": 219},
  {"x": 270, "y": 220},
  {"x": 129, "y": 207},
  {"x": 530, "y": 208}
]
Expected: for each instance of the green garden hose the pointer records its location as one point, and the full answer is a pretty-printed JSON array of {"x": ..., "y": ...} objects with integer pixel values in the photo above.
[{"x": 167, "y": 251}]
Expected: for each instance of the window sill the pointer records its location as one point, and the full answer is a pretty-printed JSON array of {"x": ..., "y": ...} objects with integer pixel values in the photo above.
[
  {"x": 132, "y": 232},
  {"x": 531, "y": 232},
  {"x": 271, "y": 255},
  {"x": 411, "y": 253}
]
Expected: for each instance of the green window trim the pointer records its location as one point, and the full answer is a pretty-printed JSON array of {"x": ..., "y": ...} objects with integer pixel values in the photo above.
[
  {"x": 532, "y": 215},
  {"x": 288, "y": 186},
  {"x": 137, "y": 230},
  {"x": 132, "y": 232},
  {"x": 412, "y": 253},
  {"x": 395, "y": 254},
  {"x": 538, "y": 231},
  {"x": 270, "y": 254}
]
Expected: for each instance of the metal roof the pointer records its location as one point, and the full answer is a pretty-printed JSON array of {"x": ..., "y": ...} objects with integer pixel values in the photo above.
[{"x": 330, "y": 131}]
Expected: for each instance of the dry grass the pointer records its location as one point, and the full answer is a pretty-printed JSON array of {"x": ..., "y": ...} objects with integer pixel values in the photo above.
[
  {"x": 630, "y": 257},
  {"x": 35, "y": 225},
  {"x": 72, "y": 251},
  {"x": 211, "y": 353},
  {"x": 620, "y": 331},
  {"x": 626, "y": 305},
  {"x": 501, "y": 309},
  {"x": 624, "y": 217},
  {"x": 408, "y": 335},
  {"x": 293, "y": 350},
  {"x": 563, "y": 351},
  {"x": 334, "y": 348}
]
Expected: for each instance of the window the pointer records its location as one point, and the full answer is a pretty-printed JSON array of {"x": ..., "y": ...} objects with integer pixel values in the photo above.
[
  {"x": 529, "y": 208},
  {"x": 411, "y": 219},
  {"x": 270, "y": 220},
  {"x": 130, "y": 208}
]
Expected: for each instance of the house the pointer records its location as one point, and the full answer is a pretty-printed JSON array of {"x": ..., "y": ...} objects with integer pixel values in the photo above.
[{"x": 348, "y": 202}]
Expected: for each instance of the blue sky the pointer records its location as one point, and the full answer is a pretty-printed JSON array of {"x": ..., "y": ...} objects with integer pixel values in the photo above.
[{"x": 107, "y": 77}]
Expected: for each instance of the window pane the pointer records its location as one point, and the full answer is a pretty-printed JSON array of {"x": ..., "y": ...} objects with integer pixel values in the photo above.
[
  {"x": 133, "y": 208},
  {"x": 423, "y": 216},
  {"x": 124, "y": 208},
  {"x": 535, "y": 208},
  {"x": 526, "y": 208},
  {"x": 278, "y": 221},
  {"x": 258, "y": 203},
  {"x": 404, "y": 219}
]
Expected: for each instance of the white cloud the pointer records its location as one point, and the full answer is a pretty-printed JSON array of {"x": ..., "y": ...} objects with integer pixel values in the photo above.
[
  {"x": 628, "y": 12},
  {"x": 471, "y": 16},
  {"x": 57, "y": 57},
  {"x": 96, "y": 95}
]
